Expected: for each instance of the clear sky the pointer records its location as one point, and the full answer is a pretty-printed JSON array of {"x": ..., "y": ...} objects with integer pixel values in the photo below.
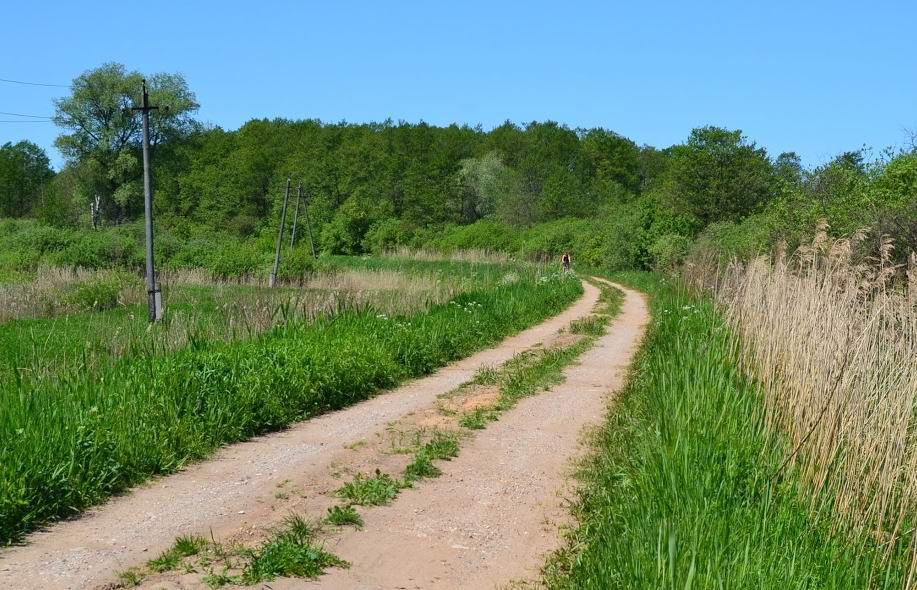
[{"x": 815, "y": 77}]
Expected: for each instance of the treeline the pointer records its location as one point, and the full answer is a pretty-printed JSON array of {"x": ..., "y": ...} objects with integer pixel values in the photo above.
[{"x": 534, "y": 190}]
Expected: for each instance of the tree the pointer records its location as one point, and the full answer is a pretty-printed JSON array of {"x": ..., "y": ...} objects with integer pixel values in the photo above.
[
  {"x": 479, "y": 185},
  {"x": 562, "y": 196},
  {"x": 102, "y": 134},
  {"x": 788, "y": 169},
  {"x": 24, "y": 171},
  {"x": 609, "y": 165},
  {"x": 718, "y": 175}
]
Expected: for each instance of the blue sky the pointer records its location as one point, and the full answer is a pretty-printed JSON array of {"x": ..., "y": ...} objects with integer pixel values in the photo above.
[{"x": 814, "y": 77}]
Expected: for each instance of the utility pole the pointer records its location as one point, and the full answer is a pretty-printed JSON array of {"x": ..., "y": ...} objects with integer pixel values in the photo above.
[
  {"x": 283, "y": 221},
  {"x": 296, "y": 214},
  {"x": 152, "y": 288},
  {"x": 309, "y": 227}
]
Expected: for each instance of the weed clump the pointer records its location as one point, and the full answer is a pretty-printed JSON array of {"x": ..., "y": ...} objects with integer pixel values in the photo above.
[
  {"x": 443, "y": 446},
  {"x": 290, "y": 552},
  {"x": 376, "y": 490},
  {"x": 343, "y": 516},
  {"x": 185, "y": 546}
]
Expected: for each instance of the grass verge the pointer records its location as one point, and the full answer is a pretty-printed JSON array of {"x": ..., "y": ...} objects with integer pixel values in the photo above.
[
  {"x": 71, "y": 443},
  {"x": 680, "y": 491}
]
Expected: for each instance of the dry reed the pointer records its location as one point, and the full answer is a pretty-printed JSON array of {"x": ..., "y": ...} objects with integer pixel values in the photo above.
[
  {"x": 833, "y": 343},
  {"x": 470, "y": 255}
]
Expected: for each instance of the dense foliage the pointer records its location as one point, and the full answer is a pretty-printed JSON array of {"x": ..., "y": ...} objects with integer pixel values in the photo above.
[{"x": 370, "y": 187}]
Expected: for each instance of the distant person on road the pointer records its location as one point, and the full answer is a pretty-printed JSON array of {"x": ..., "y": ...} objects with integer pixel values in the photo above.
[{"x": 565, "y": 262}]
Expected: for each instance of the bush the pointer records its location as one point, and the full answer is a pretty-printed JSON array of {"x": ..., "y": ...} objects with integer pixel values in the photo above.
[
  {"x": 101, "y": 292},
  {"x": 486, "y": 234},
  {"x": 98, "y": 250},
  {"x": 384, "y": 236},
  {"x": 296, "y": 264},
  {"x": 669, "y": 251},
  {"x": 234, "y": 260}
]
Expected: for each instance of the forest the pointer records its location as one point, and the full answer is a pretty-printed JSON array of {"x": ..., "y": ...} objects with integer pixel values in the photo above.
[{"x": 533, "y": 190}]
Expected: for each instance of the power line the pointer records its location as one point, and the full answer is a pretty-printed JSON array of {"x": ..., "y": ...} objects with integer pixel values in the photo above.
[
  {"x": 34, "y": 83},
  {"x": 21, "y": 115},
  {"x": 25, "y": 121}
]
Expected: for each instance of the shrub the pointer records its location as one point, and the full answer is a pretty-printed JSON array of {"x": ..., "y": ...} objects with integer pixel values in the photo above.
[
  {"x": 99, "y": 250},
  {"x": 669, "y": 251},
  {"x": 234, "y": 260},
  {"x": 103, "y": 291},
  {"x": 296, "y": 264},
  {"x": 384, "y": 236}
]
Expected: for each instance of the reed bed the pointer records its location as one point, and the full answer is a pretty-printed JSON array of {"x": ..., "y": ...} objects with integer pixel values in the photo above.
[
  {"x": 688, "y": 486},
  {"x": 832, "y": 340},
  {"x": 469, "y": 255}
]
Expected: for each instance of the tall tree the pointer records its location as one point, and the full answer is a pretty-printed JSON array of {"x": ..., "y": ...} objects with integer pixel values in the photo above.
[
  {"x": 479, "y": 184},
  {"x": 24, "y": 171},
  {"x": 102, "y": 132},
  {"x": 718, "y": 175}
]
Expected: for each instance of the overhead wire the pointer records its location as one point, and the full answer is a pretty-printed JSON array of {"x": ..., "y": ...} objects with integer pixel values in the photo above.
[
  {"x": 8, "y": 81},
  {"x": 23, "y": 115}
]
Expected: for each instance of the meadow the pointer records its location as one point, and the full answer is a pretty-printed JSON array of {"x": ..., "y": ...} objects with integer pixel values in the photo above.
[{"x": 82, "y": 426}]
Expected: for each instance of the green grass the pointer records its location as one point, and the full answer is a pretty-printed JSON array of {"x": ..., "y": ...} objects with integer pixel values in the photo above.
[
  {"x": 679, "y": 493},
  {"x": 442, "y": 447},
  {"x": 183, "y": 547},
  {"x": 378, "y": 489},
  {"x": 343, "y": 516},
  {"x": 290, "y": 552},
  {"x": 130, "y": 578},
  {"x": 91, "y": 341},
  {"x": 478, "y": 418},
  {"x": 71, "y": 442}
]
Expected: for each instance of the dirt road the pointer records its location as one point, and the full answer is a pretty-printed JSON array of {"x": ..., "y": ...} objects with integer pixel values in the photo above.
[
  {"x": 494, "y": 513},
  {"x": 238, "y": 488}
]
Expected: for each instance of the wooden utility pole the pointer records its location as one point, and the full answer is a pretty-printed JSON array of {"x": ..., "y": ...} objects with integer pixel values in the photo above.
[
  {"x": 154, "y": 296},
  {"x": 309, "y": 227},
  {"x": 296, "y": 214},
  {"x": 283, "y": 222}
]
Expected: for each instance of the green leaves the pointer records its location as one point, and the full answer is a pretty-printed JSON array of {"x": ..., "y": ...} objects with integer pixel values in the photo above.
[{"x": 102, "y": 133}]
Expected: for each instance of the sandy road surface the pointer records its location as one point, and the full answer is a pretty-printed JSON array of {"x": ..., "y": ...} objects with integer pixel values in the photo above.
[
  {"x": 242, "y": 479},
  {"x": 493, "y": 515}
]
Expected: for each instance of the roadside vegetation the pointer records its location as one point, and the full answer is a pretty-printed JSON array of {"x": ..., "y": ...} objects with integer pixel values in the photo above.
[
  {"x": 733, "y": 456},
  {"x": 72, "y": 440}
]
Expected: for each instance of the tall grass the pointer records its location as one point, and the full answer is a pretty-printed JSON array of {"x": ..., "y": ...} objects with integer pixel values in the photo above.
[
  {"x": 105, "y": 318},
  {"x": 833, "y": 341},
  {"x": 463, "y": 255},
  {"x": 56, "y": 291},
  {"x": 71, "y": 442},
  {"x": 686, "y": 489}
]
